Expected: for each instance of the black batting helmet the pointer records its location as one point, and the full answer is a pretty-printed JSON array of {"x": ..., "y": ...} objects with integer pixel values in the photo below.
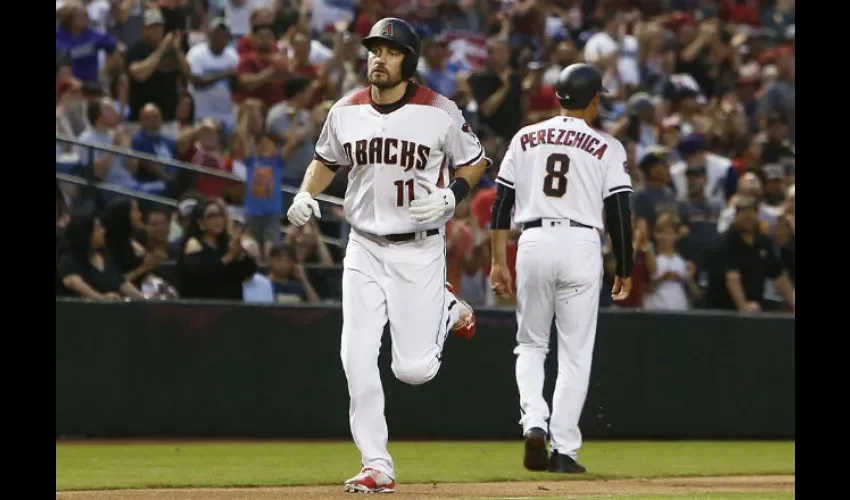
[
  {"x": 577, "y": 85},
  {"x": 401, "y": 34}
]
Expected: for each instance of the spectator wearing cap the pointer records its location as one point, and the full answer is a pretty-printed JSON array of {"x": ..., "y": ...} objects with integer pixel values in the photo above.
[
  {"x": 262, "y": 73},
  {"x": 747, "y": 261},
  {"x": 656, "y": 197},
  {"x": 180, "y": 219},
  {"x": 774, "y": 184},
  {"x": 213, "y": 66},
  {"x": 498, "y": 91},
  {"x": 156, "y": 64},
  {"x": 541, "y": 103},
  {"x": 720, "y": 176},
  {"x": 638, "y": 125},
  {"x": 779, "y": 97},
  {"x": 750, "y": 187},
  {"x": 699, "y": 216},
  {"x": 82, "y": 45},
  {"x": 290, "y": 122},
  {"x": 433, "y": 68}
]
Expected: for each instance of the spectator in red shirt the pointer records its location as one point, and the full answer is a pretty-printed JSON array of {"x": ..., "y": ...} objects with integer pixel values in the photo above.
[
  {"x": 262, "y": 16},
  {"x": 262, "y": 73},
  {"x": 459, "y": 245},
  {"x": 541, "y": 101},
  {"x": 200, "y": 146},
  {"x": 300, "y": 65}
]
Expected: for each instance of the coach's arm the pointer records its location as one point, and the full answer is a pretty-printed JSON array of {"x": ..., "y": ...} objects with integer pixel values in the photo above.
[{"x": 500, "y": 226}]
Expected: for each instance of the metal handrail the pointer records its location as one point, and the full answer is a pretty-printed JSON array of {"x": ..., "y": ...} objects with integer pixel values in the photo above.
[
  {"x": 109, "y": 148},
  {"x": 113, "y": 188}
]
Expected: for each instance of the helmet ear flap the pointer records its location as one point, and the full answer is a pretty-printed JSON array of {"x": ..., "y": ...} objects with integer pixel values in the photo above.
[{"x": 408, "y": 65}]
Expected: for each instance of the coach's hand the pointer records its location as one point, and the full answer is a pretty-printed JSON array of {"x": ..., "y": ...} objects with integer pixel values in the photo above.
[
  {"x": 438, "y": 203},
  {"x": 622, "y": 288},
  {"x": 303, "y": 206},
  {"x": 500, "y": 280}
]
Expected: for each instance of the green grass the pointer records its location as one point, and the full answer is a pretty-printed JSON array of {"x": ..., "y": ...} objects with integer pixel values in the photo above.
[
  {"x": 115, "y": 466},
  {"x": 691, "y": 496}
]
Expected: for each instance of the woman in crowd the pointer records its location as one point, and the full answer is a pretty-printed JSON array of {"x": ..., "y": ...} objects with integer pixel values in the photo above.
[
  {"x": 122, "y": 216},
  {"x": 213, "y": 264},
  {"x": 85, "y": 269}
]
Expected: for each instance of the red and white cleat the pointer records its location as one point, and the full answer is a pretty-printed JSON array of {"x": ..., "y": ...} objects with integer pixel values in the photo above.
[
  {"x": 370, "y": 481},
  {"x": 465, "y": 326}
]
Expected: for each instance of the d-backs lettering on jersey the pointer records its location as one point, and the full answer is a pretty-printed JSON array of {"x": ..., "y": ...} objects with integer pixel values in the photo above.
[
  {"x": 562, "y": 168},
  {"x": 389, "y": 148}
]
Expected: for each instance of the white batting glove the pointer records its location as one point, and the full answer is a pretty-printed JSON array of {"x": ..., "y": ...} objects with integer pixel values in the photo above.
[
  {"x": 303, "y": 206},
  {"x": 438, "y": 203}
]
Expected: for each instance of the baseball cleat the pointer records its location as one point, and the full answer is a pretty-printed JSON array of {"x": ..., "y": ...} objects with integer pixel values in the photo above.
[
  {"x": 564, "y": 464},
  {"x": 536, "y": 455},
  {"x": 370, "y": 481},
  {"x": 465, "y": 326}
]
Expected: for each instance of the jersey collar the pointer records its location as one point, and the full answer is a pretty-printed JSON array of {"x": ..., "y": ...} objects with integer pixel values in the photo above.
[{"x": 389, "y": 108}]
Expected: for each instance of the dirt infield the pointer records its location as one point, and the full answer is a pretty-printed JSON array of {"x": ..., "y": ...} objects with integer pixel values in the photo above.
[{"x": 573, "y": 488}]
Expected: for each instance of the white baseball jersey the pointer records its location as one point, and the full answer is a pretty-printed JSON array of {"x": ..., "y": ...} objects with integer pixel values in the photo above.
[
  {"x": 562, "y": 168},
  {"x": 389, "y": 148}
]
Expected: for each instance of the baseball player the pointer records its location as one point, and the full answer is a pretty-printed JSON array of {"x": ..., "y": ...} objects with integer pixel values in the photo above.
[
  {"x": 558, "y": 172},
  {"x": 399, "y": 140}
]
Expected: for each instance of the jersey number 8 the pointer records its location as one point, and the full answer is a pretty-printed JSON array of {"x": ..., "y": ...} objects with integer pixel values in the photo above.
[{"x": 555, "y": 182}]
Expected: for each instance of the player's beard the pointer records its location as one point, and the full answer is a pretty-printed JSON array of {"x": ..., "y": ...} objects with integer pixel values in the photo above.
[{"x": 384, "y": 83}]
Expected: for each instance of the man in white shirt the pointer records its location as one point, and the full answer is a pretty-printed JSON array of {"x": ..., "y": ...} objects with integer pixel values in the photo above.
[{"x": 213, "y": 64}]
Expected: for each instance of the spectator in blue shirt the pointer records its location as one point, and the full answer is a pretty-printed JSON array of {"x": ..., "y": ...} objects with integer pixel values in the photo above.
[
  {"x": 435, "y": 72},
  {"x": 263, "y": 198},
  {"x": 82, "y": 45},
  {"x": 149, "y": 139},
  {"x": 289, "y": 281}
]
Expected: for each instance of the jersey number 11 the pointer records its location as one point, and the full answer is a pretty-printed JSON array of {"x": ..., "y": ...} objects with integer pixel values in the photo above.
[
  {"x": 400, "y": 185},
  {"x": 555, "y": 182}
]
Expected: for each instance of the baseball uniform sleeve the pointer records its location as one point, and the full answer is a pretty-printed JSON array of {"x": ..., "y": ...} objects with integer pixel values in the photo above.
[
  {"x": 461, "y": 142},
  {"x": 507, "y": 170},
  {"x": 617, "y": 178},
  {"x": 328, "y": 149}
]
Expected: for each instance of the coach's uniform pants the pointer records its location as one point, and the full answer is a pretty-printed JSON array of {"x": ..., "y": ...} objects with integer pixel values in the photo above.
[
  {"x": 559, "y": 273},
  {"x": 405, "y": 284}
]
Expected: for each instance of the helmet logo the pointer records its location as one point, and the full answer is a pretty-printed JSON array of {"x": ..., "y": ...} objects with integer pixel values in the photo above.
[{"x": 387, "y": 30}]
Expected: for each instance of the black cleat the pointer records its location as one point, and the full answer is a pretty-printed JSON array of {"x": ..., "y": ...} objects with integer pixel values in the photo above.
[
  {"x": 564, "y": 464},
  {"x": 536, "y": 455}
]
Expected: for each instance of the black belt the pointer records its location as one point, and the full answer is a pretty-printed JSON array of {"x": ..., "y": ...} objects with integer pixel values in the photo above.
[
  {"x": 400, "y": 238},
  {"x": 539, "y": 223}
]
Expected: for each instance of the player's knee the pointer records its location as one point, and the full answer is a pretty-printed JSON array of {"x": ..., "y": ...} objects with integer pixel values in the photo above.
[
  {"x": 532, "y": 346},
  {"x": 416, "y": 374}
]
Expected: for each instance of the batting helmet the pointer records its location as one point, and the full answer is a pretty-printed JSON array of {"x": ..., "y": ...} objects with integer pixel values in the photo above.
[
  {"x": 577, "y": 85},
  {"x": 401, "y": 34}
]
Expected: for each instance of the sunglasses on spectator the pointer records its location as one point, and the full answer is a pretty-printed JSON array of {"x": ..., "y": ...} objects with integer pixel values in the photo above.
[{"x": 215, "y": 213}]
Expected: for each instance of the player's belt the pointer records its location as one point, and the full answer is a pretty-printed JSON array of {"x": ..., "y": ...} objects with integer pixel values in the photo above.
[
  {"x": 553, "y": 223},
  {"x": 400, "y": 238}
]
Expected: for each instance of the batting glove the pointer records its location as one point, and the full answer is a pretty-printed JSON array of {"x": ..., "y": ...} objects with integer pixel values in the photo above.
[
  {"x": 438, "y": 203},
  {"x": 303, "y": 206}
]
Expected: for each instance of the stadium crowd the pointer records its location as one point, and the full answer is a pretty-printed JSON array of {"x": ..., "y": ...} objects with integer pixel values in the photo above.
[{"x": 701, "y": 92}]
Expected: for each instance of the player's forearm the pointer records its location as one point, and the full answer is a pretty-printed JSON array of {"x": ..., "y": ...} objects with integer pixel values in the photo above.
[
  {"x": 498, "y": 246},
  {"x": 472, "y": 173},
  {"x": 317, "y": 178}
]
